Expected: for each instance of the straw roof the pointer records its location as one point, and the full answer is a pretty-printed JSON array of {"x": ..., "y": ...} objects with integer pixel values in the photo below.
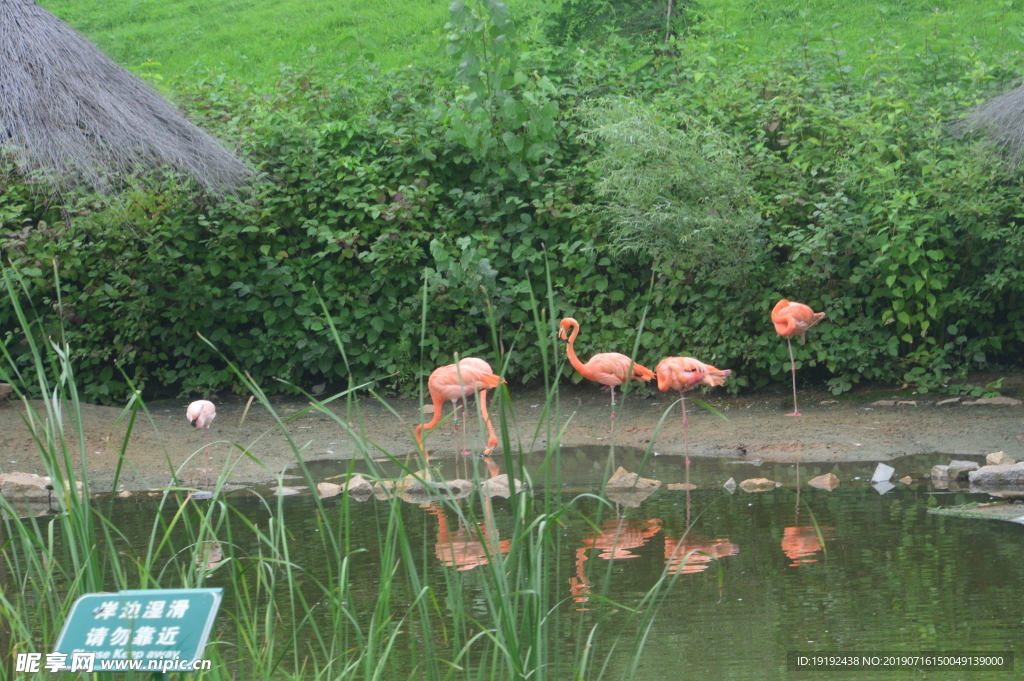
[
  {"x": 66, "y": 107},
  {"x": 1002, "y": 121}
]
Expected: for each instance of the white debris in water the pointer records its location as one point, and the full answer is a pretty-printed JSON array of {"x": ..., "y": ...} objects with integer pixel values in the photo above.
[
  {"x": 882, "y": 473},
  {"x": 857, "y": 444},
  {"x": 534, "y": 406}
]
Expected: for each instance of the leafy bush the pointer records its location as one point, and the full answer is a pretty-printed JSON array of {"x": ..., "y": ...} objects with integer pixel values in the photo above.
[{"x": 479, "y": 182}]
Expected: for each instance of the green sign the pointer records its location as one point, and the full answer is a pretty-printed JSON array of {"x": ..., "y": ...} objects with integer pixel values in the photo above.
[{"x": 155, "y": 624}]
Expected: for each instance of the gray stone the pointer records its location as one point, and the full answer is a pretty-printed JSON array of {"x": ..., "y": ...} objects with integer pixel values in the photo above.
[
  {"x": 940, "y": 473},
  {"x": 759, "y": 485},
  {"x": 883, "y": 486},
  {"x": 730, "y": 485},
  {"x": 1007, "y": 475},
  {"x": 884, "y": 403},
  {"x": 958, "y": 470},
  {"x": 624, "y": 480},
  {"x": 498, "y": 486},
  {"x": 951, "y": 400}
]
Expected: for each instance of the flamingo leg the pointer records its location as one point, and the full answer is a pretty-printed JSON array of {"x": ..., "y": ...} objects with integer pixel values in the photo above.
[
  {"x": 207, "y": 456},
  {"x": 455, "y": 416},
  {"x": 792, "y": 366},
  {"x": 613, "y": 407},
  {"x": 465, "y": 426},
  {"x": 686, "y": 436}
]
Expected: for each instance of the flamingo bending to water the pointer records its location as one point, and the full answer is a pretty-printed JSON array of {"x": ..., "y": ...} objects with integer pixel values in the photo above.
[
  {"x": 608, "y": 368},
  {"x": 458, "y": 381},
  {"x": 201, "y": 414},
  {"x": 793, "y": 319},
  {"x": 683, "y": 373}
]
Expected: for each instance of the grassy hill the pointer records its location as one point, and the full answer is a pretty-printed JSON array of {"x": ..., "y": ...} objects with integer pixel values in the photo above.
[{"x": 249, "y": 39}]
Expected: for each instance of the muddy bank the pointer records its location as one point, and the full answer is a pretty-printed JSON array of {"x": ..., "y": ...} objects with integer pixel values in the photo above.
[{"x": 849, "y": 429}]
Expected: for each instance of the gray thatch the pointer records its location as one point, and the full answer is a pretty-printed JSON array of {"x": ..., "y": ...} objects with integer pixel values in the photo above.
[
  {"x": 1002, "y": 121},
  {"x": 67, "y": 108}
]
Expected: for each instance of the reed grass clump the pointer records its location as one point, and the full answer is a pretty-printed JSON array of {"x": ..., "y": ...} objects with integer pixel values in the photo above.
[{"x": 302, "y": 609}]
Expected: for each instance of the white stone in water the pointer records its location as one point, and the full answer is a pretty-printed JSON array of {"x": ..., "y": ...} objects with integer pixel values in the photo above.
[
  {"x": 939, "y": 473},
  {"x": 730, "y": 485},
  {"x": 882, "y": 473}
]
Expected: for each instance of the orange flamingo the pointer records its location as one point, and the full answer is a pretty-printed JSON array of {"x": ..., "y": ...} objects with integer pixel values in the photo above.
[
  {"x": 608, "y": 368},
  {"x": 801, "y": 543},
  {"x": 683, "y": 373},
  {"x": 793, "y": 319},
  {"x": 459, "y": 381}
]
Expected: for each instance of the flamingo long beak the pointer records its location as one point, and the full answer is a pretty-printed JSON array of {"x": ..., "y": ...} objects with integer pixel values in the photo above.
[{"x": 194, "y": 422}]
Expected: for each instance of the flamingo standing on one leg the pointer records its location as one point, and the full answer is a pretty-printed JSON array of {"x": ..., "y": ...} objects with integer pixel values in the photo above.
[
  {"x": 608, "y": 368},
  {"x": 683, "y": 373},
  {"x": 793, "y": 319},
  {"x": 459, "y": 381},
  {"x": 201, "y": 414}
]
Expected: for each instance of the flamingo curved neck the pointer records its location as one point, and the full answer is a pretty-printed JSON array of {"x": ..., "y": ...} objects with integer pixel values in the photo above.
[{"x": 571, "y": 351}]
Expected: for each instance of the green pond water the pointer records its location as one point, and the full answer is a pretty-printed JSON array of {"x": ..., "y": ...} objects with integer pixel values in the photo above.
[{"x": 890, "y": 578}]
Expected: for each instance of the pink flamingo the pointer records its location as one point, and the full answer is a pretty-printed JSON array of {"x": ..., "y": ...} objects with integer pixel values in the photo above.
[
  {"x": 793, "y": 319},
  {"x": 683, "y": 373},
  {"x": 608, "y": 368},
  {"x": 201, "y": 414},
  {"x": 459, "y": 381}
]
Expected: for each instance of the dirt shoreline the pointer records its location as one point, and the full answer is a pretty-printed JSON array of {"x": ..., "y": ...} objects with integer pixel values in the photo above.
[{"x": 848, "y": 429}]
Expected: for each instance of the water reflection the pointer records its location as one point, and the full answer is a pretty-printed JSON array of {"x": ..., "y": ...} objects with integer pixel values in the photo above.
[
  {"x": 468, "y": 546},
  {"x": 616, "y": 540},
  {"x": 800, "y": 543},
  {"x": 680, "y": 560}
]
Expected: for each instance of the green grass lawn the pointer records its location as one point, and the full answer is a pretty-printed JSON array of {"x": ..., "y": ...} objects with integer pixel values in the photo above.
[{"x": 249, "y": 39}]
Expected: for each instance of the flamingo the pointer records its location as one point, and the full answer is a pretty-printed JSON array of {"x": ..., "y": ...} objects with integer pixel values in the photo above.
[
  {"x": 608, "y": 368},
  {"x": 459, "y": 381},
  {"x": 793, "y": 319},
  {"x": 683, "y": 373},
  {"x": 201, "y": 414}
]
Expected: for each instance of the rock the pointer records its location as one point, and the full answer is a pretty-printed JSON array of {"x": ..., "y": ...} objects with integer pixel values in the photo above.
[
  {"x": 906, "y": 480},
  {"x": 759, "y": 485},
  {"x": 939, "y": 473},
  {"x": 1006, "y": 475},
  {"x": 994, "y": 400},
  {"x": 682, "y": 487},
  {"x": 958, "y": 470},
  {"x": 827, "y": 482},
  {"x": 5, "y": 390},
  {"x": 884, "y": 403},
  {"x": 730, "y": 485},
  {"x": 124, "y": 494},
  {"x": 951, "y": 400},
  {"x": 998, "y": 459},
  {"x": 24, "y": 486},
  {"x": 283, "y": 491},
  {"x": 428, "y": 409},
  {"x": 318, "y": 389},
  {"x": 912, "y": 403},
  {"x": 622, "y": 479},
  {"x": 327, "y": 490},
  {"x": 882, "y": 473},
  {"x": 382, "y": 489},
  {"x": 498, "y": 486},
  {"x": 358, "y": 486}
]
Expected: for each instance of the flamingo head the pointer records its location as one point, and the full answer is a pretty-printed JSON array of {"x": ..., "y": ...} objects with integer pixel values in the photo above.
[{"x": 565, "y": 327}]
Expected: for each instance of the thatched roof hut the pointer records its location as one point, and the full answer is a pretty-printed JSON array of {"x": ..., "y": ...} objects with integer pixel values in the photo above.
[
  {"x": 1002, "y": 121},
  {"x": 67, "y": 108}
]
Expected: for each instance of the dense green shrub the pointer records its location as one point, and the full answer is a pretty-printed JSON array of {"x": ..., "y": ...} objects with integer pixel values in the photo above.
[{"x": 909, "y": 239}]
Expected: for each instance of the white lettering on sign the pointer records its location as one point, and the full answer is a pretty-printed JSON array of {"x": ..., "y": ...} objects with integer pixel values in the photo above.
[
  {"x": 154, "y": 610},
  {"x": 178, "y": 608},
  {"x": 106, "y": 610},
  {"x": 168, "y": 636},
  {"x": 96, "y": 636}
]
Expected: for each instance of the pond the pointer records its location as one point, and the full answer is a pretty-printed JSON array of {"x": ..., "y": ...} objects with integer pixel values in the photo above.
[{"x": 794, "y": 569}]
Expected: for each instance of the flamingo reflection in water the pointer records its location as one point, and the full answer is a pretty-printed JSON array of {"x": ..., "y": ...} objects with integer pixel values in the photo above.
[
  {"x": 468, "y": 547},
  {"x": 689, "y": 555},
  {"x": 800, "y": 544},
  {"x": 616, "y": 540}
]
